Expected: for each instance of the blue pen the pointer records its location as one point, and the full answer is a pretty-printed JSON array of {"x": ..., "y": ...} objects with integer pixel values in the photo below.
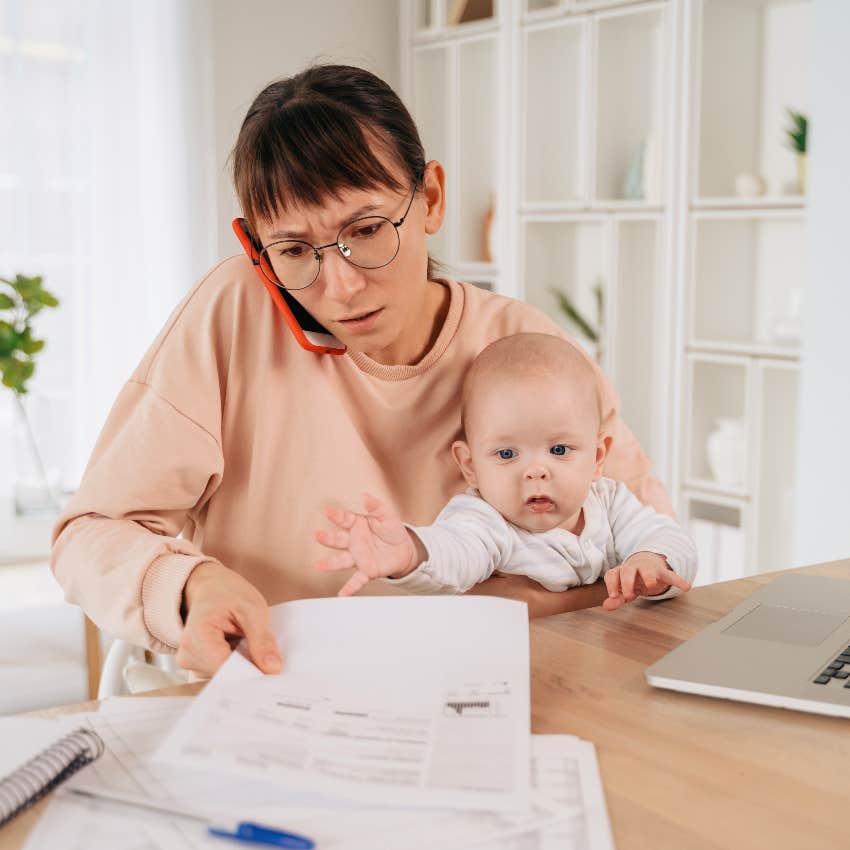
[
  {"x": 246, "y": 832},
  {"x": 253, "y": 833}
]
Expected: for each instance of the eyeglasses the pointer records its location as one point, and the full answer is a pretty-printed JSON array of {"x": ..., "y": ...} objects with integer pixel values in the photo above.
[{"x": 371, "y": 242}]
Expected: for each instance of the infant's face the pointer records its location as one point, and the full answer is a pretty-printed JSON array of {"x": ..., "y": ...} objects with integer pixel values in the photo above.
[{"x": 533, "y": 445}]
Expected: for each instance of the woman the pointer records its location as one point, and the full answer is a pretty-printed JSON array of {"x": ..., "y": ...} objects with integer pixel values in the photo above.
[{"x": 234, "y": 435}]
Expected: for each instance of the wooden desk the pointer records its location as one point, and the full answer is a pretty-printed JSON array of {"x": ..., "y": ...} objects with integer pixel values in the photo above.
[{"x": 680, "y": 772}]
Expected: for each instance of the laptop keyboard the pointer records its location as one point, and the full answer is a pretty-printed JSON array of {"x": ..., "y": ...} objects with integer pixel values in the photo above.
[{"x": 838, "y": 669}]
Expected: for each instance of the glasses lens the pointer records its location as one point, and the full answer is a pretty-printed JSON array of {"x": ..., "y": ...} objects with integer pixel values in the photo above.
[
  {"x": 372, "y": 242},
  {"x": 294, "y": 263}
]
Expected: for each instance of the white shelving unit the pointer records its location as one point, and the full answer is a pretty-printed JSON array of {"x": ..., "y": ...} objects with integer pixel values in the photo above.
[
  {"x": 607, "y": 136},
  {"x": 741, "y": 273}
]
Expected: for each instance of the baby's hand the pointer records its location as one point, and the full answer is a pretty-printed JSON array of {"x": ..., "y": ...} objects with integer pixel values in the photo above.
[
  {"x": 641, "y": 574},
  {"x": 376, "y": 543}
]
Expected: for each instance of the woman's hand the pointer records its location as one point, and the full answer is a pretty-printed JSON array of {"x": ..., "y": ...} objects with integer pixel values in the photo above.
[
  {"x": 376, "y": 543},
  {"x": 223, "y": 606}
]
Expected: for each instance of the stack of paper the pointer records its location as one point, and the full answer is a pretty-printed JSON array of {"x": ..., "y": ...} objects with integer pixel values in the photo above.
[{"x": 421, "y": 704}]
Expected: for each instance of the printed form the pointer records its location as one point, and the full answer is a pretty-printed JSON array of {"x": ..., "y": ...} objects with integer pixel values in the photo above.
[
  {"x": 420, "y": 701},
  {"x": 567, "y": 803}
]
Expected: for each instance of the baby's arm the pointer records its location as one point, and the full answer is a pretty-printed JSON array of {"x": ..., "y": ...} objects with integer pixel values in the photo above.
[
  {"x": 463, "y": 546},
  {"x": 658, "y": 558}
]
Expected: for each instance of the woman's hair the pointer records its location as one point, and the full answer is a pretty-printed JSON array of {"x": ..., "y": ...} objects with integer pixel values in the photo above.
[{"x": 308, "y": 137}]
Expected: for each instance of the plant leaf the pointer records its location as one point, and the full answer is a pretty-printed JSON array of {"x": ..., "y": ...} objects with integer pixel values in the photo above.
[
  {"x": 572, "y": 313},
  {"x": 6, "y": 303}
]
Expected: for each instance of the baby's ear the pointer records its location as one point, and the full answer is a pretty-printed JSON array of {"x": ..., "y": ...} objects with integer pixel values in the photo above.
[
  {"x": 463, "y": 458},
  {"x": 603, "y": 447}
]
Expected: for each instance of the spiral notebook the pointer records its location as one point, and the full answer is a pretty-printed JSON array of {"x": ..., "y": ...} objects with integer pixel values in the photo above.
[{"x": 50, "y": 767}]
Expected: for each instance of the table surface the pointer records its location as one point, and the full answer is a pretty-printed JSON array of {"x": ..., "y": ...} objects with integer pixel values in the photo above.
[{"x": 680, "y": 772}]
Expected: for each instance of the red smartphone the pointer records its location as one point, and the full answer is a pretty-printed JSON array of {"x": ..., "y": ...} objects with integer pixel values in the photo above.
[{"x": 309, "y": 332}]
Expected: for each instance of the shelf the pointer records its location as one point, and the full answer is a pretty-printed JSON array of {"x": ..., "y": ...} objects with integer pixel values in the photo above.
[
  {"x": 706, "y": 488},
  {"x": 555, "y": 211},
  {"x": 777, "y": 444},
  {"x": 754, "y": 65},
  {"x": 791, "y": 354},
  {"x": 462, "y": 12},
  {"x": 425, "y": 15},
  {"x": 537, "y": 8},
  {"x": 747, "y": 282},
  {"x": 430, "y": 105},
  {"x": 571, "y": 256},
  {"x": 719, "y": 398},
  {"x": 477, "y": 135},
  {"x": 756, "y": 205},
  {"x": 635, "y": 308},
  {"x": 444, "y": 18},
  {"x": 720, "y": 534},
  {"x": 629, "y": 111},
  {"x": 555, "y": 91}
]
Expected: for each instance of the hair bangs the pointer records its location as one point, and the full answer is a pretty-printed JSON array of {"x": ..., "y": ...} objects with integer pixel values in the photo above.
[{"x": 306, "y": 152}]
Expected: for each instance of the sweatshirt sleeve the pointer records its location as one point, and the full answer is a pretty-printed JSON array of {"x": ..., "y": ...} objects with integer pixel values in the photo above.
[
  {"x": 116, "y": 551},
  {"x": 467, "y": 542},
  {"x": 640, "y": 528}
]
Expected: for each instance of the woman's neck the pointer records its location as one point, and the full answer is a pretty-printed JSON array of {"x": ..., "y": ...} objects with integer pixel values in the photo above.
[{"x": 424, "y": 326}]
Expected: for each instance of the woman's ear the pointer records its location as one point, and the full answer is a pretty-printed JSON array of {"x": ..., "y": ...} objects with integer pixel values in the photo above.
[
  {"x": 434, "y": 190},
  {"x": 463, "y": 458},
  {"x": 603, "y": 447}
]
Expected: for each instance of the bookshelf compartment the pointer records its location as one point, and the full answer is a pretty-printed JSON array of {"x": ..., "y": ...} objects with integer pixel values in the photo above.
[
  {"x": 629, "y": 116},
  {"x": 572, "y": 256},
  {"x": 635, "y": 305},
  {"x": 430, "y": 104},
  {"x": 555, "y": 91},
  {"x": 748, "y": 280},
  {"x": 719, "y": 402},
  {"x": 754, "y": 66},
  {"x": 478, "y": 134},
  {"x": 719, "y": 532},
  {"x": 777, "y": 448}
]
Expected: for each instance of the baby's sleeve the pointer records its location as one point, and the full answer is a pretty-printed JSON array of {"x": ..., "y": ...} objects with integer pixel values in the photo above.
[
  {"x": 639, "y": 528},
  {"x": 465, "y": 544}
]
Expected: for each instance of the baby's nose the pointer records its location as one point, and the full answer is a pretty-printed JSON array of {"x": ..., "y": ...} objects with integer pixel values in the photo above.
[{"x": 537, "y": 472}]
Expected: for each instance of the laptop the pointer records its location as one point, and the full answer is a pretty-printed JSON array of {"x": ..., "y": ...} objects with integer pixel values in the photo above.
[{"x": 787, "y": 645}]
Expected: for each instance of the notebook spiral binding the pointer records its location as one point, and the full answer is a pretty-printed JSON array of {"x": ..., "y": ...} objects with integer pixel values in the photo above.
[{"x": 41, "y": 774}]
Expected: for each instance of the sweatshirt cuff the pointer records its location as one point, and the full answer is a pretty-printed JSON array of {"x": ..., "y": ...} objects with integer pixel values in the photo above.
[
  {"x": 162, "y": 595},
  {"x": 420, "y": 580}
]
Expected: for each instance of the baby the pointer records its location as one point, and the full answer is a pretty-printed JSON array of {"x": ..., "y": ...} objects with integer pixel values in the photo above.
[{"x": 537, "y": 503}]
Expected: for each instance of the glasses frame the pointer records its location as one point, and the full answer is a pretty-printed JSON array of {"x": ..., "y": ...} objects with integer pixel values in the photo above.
[{"x": 266, "y": 266}]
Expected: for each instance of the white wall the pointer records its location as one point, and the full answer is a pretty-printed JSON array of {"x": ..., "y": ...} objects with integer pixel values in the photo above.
[
  {"x": 823, "y": 454},
  {"x": 256, "y": 41}
]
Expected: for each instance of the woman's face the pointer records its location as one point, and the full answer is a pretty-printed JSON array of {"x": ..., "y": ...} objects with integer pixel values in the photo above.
[{"x": 388, "y": 313}]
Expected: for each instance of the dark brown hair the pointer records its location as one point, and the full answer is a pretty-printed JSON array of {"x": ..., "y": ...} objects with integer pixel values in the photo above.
[{"x": 306, "y": 138}]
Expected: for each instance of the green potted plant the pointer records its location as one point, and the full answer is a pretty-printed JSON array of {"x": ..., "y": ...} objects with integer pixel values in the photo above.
[
  {"x": 796, "y": 138},
  {"x": 20, "y": 300},
  {"x": 582, "y": 326}
]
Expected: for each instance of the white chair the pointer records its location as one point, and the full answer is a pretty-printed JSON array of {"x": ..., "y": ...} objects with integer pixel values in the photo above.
[{"x": 130, "y": 669}]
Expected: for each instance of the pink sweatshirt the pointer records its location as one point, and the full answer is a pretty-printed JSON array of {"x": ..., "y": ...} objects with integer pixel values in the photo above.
[{"x": 232, "y": 436}]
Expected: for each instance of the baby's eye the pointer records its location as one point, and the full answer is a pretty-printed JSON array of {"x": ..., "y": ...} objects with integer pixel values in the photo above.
[
  {"x": 560, "y": 449},
  {"x": 506, "y": 454}
]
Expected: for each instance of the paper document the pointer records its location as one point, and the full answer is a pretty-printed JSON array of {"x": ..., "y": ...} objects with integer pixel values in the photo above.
[
  {"x": 420, "y": 701},
  {"x": 565, "y": 771},
  {"x": 567, "y": 809}
]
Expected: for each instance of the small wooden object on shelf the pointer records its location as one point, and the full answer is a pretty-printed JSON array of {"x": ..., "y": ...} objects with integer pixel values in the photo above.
[{"x": 461, "y": 11}]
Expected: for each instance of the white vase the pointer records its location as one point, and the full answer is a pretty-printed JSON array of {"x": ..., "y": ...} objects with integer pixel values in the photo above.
[{"x": 726, "y": 451}]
